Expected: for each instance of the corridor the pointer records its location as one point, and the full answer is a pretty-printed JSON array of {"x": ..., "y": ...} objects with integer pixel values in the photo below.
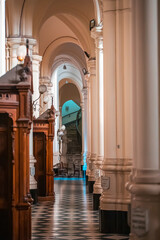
[{"x": 70, "y": 216}]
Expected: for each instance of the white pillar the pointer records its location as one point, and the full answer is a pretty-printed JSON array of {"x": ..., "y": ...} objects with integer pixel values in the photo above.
[
  {"x": 97, "y": 34},
  {"x": 83, "y": 129},
  {"x": 60, "y": 116},
  {"x": 94, "y": 122},
  {"x": 36, "y": 59},
  {"x": 117, "y": 162},
  {"x": 2, "y": 38},
  {"x": 84, "y": 125},
  {"x": 88, "y": 126},
  {"x": 55, "y": 93},
  {"x": 144, "y": 184},
  {"x": 33, "y": 182}
]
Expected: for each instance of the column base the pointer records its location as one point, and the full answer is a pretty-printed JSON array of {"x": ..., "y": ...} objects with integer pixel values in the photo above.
[
  {"x": 96, "y": 201},
  {"x": 111, "y": 221},
  {"x": 144, "y": 186},
  {"x": 90, "y": 186},
  {"x": 34, "y": 195}
]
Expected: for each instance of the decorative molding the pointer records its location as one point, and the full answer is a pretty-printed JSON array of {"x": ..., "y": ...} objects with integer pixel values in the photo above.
[
  {"x": 92, "y": 67},
  {"x": 11, "y": 41},
  {"x": 36, "y": 57},
  {"x": 117, "y": 164},
  {"x": 144, "y": 182},
  {"x": 97, "y": 32}
]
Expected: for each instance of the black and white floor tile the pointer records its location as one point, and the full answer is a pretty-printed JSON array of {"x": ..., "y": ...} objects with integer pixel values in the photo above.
[{"x": 70, "y": 217}]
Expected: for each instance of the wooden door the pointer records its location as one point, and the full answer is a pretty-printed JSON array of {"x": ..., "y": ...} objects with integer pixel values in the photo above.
[
  {"x": 5, "y": 177},
  {"x": 40, "y": 166}
]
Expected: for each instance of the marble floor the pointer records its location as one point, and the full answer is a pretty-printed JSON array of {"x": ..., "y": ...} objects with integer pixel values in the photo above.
[{"x": 70, "y": 216}]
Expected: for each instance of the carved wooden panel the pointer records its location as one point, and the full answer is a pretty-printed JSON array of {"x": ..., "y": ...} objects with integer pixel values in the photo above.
[
  {"x": 40, "y": 166},
  {"x": 5, "y": 177}
]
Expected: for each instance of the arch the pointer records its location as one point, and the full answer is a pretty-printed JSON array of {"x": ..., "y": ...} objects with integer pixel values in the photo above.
[
  {"x": 48, "y": 56},
  {"x": 72, "y": 53},
  {"x": 71, "y": 72},
  {"x": 81, "y": 10},
  {"x": 68, "y": 88}
]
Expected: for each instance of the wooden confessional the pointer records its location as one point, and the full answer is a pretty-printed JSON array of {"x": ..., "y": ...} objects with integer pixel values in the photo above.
[
  {"x": 43, "y": 135},
  {"x": 15, "y": 122}
]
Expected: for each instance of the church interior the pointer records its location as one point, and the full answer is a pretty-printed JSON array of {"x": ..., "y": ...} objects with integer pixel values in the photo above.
[{"x": 79, "y": 119}]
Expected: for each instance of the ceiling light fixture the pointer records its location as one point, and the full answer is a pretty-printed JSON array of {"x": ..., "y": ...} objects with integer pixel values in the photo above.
[
  {"x": 64, "y": 67},
  {"x": 92, "y": 24},
  {"x": 85, "y": 72}
]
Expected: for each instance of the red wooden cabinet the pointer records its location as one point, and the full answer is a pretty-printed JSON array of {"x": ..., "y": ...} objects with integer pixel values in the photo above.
[
  {"x": 43, "y": 135},
  {"x": 15, "y": 121},
  {"x": 40, "y": 166}
]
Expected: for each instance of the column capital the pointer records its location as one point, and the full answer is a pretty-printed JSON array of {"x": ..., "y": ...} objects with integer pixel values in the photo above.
[
  {"x": 14, "y": 41},
  {"x": 87, "y": 79},
  {"x": 85, "y": 91},
  {"x": 97, "y": 35},
  {"x": 92, "y": 67},
  {"x": 82, "y": 106},
  {"x": 36, "y": 57},
  {"x": 97, "y": 32},
  {"x": 45, "y": 80}
]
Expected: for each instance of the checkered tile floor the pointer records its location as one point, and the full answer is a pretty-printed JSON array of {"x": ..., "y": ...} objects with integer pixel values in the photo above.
[{"x": 69, "y": 217}]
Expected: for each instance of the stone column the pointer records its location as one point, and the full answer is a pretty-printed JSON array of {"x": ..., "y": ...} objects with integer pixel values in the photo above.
[
  {"x": 54, "y": 91},
  {"x": 144, "y": 184},
  {"x": 2, "y": 38},
  {"x": 60, "y": 116},
  {"x": 118, "y": 154},
  {"x": 94, "y": 123},
  {"x": 88, "y": 127},
  {"x": 97, "y": 34},
  {"x": 83, "y": 129},
  {"x": 36, "y": 59},
  {"x": 32, "y": 161},
  {"x": 84, "y": 125}
]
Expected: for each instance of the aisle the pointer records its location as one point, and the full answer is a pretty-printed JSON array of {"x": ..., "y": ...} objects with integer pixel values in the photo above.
[{"x": 70, "y": 217}]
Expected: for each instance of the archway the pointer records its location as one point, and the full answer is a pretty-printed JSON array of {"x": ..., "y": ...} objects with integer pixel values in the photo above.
[{"x": 72, "y": 138}]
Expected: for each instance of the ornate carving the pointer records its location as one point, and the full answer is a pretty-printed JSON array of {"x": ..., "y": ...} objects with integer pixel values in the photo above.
[
  {"x": 13, "y": 147},
  {"x": 52, "y": 112},
  {"x": 24, "y": 72}
]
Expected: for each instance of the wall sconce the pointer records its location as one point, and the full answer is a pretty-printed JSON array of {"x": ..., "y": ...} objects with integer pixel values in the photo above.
[
  {"x": 85, "y": 72},
  {"x": 45, "y": 100},
  {"x": 42, "y": 90},
  {"x": 87, "y": 54},
  {"x": 57, "y": 113},
  {"x": 92, "y": 24},
  {"x": 60, "y": 131},
  {"x": 21, "y": 53}
]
